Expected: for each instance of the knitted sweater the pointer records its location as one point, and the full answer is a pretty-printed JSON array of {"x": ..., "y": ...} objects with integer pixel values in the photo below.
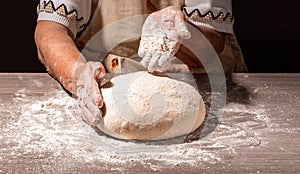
[{"x": 75, "y": 14}]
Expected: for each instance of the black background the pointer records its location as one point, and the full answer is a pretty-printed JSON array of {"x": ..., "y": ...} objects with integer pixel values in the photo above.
[{"x": 268, "y": 32}]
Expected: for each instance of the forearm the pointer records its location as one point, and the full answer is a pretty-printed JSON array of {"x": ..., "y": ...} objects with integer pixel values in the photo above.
[{"x": 58, "y": 52}]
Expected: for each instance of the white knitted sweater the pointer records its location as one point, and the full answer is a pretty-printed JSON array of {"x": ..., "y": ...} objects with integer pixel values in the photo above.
[{"x": 75, "y": 14}]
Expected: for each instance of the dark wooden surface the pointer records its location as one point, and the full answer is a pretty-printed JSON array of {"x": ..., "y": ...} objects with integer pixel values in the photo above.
[{"x": 258, "y": 133}]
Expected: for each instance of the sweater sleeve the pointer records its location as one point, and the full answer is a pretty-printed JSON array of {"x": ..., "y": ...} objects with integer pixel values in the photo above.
[
  {"x": 74, "y": 14},
  {"x": 214, "y": 14}
]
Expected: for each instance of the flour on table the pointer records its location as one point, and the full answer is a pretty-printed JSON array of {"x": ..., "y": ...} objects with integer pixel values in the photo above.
[{"x": 50, "y": 127}]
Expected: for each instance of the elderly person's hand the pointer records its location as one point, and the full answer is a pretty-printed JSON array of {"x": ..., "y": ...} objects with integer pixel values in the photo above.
[
  {"x": 63, "y": 61},
  {"x": 162, "y": 34},
  {"x": 88, "y": 92}
]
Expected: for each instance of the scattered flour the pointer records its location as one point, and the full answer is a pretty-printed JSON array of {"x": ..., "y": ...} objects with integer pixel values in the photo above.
[{"x": 53, "y": 126}]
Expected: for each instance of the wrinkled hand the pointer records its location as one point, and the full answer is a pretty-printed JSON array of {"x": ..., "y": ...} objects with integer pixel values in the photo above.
[
  {"x": 162, "y": 34},
  {"x": 88, "y": 92}
]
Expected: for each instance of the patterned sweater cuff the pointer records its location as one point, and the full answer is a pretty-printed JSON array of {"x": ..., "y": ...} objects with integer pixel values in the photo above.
[
  {"x": 219, "y": 21},
  {"x": 60, "y": 15}
]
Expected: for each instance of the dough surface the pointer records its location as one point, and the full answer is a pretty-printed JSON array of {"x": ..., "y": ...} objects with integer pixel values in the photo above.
[{"x": 142, "y": 106}]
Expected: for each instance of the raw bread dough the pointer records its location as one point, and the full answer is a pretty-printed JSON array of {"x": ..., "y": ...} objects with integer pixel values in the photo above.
[{"x": 146, "y": 107}]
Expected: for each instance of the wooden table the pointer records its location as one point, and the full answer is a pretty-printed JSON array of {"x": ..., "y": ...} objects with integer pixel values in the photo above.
[{"x": 259, "y": 132}]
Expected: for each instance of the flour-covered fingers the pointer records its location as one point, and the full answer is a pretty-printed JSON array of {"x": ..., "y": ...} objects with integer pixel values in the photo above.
[
  {"x": 88, "y": 92},
  {"x": 91, "y": 112},
  {"x": 164, "y": 59},
  {"x": 91, "y": 118},
  {"x": 153, "y": 64},
  {"x": 161, "y": 37},
  {"x": 146, "y": 59},
  {"x": 95, "y": 95}
]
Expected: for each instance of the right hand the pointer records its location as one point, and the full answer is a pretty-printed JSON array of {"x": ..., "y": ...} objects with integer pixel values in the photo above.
[
  {"x": 88, "y": 92},
  {"x": 162, "y": 34}
]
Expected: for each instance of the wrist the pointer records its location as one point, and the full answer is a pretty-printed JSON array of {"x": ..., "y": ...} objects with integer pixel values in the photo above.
[{"x": 216, "y": 39}]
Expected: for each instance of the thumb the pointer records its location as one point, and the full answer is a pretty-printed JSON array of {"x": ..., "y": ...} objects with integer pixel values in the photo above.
[{"x": 181, "y": 26}]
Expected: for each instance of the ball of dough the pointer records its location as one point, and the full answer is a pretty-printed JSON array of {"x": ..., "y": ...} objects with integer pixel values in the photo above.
[{"x": 142, "y": 106}]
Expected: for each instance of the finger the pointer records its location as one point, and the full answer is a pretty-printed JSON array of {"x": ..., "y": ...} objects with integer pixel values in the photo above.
[
  {"x": 100, "y": 73},
  {"x": 164, "y": 59},
  {"x": 91, "y": 118},
  {"x": 96, "y": 69},
  {"x": 153, "y": 62},
  {"x": 142, "y": 48},
  {"x": 86, "y": 100},
  {"x": 94, "y": 94},
  {"x": 98, "y": 100},
  {"x": 181, "y": 26},
  {"x": 91, "y": 88},
  {"x": 91, "y": 111},
  {"x": 94, "y": 110},
  {"x": 146, "y": 60},
  {"x": 174, "y": 45}
]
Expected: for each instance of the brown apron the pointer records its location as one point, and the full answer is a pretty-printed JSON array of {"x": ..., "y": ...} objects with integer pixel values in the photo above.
[{"x": 107, "y": 12}]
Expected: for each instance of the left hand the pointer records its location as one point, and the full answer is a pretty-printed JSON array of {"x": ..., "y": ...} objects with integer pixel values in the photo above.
[
  {"x": 88, "y": 92},
  {"x": 162, "y": 34}
]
